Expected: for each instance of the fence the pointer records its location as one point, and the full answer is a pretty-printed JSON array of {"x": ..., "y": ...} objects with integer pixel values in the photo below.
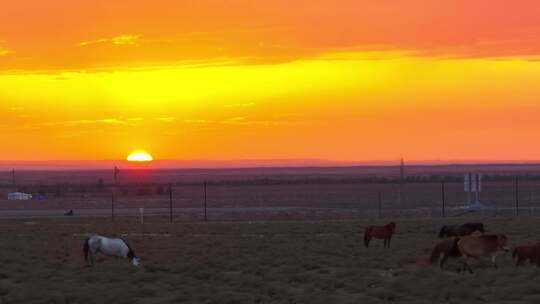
[{"x": 281, "y": 201}]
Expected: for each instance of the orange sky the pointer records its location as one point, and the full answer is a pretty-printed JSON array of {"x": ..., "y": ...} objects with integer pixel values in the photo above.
[{"x": 243, "y": 79}]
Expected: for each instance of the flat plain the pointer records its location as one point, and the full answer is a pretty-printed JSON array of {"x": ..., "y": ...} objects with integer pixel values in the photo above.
[{"x": 254, "y": 262}]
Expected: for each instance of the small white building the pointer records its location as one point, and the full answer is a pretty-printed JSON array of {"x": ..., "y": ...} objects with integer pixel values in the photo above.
[{"x": 19, "y": 196}]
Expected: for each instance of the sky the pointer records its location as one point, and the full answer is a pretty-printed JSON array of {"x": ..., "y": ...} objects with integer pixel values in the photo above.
[{"x": 343, "y": 80}]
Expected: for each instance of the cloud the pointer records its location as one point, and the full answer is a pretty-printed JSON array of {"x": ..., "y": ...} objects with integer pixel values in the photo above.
[
  {"x": 240, "y": 105},
  {"x": 4, "y": 50},
  {"x": 241, "y": 121},
  {"x": 126, "y": 39},
  {"x": 73, "y": 123},
  {"x": 166, "y": 119},
  {"x": 87, "y": 43}
]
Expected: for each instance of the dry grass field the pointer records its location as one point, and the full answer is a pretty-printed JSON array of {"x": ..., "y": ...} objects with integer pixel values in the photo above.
[{"x": 259, "y": 262}]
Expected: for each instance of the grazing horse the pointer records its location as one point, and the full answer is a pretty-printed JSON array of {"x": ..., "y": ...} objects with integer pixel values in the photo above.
[
  {"x": 108, "y": 246},
  {"x": 480, "y": 246},
  {"x": 380, "y": 232},
  {"x": 460, "y": 230},
  {"x": 445, "y": 248},
  {"x": 527, "y": 252}
]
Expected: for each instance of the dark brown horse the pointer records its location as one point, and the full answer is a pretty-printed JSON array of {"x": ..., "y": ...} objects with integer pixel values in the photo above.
[
  {"x": 460, "y": 230},
  {"x": 527, "y": 252},
  {"x": 380, "y": 232},
  {"x": 445, "y": 249},
  {"x": 479, "y": 246}
]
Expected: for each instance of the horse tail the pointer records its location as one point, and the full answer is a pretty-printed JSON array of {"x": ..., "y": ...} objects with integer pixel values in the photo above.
[
  {"x": 366, "y": 236},
  {"x": 442, "y": 231},
  {"x": 86, "y": 248}
]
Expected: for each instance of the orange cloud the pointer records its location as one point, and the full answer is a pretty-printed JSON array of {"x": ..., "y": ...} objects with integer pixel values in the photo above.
[
  {"x": 117, "y": 40},
  {"x": 261, "y": 32}
]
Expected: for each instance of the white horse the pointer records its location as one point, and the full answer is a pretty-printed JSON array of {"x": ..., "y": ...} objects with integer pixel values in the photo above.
[{"x": 108, "y": 246}]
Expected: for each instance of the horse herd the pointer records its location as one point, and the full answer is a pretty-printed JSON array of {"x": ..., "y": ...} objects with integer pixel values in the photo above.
[
  {"x": 460, "y": 241},
  {"x": 464, "y": 242}
]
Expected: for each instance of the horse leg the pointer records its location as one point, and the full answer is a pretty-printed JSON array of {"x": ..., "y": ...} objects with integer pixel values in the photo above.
[
  {"x": 389, "y": 239},
  {"x": 92, "y": 255},
  {"x": 443, "y": 260},
  {"x": 493, "y": 261},
  {"x": 385, "y": 242},
  {"x": 466, "y": 265},
  {"x": 519, "y": 261}
]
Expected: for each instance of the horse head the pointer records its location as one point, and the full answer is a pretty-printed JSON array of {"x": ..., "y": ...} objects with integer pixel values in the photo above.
[{"x": 503, "y": 242}]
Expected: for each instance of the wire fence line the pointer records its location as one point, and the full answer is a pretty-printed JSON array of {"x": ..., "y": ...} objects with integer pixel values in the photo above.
[{"x": 277, "y": 201}]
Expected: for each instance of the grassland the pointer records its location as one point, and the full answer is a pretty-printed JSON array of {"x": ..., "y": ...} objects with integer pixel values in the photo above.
[{"x": 261, "y": 262}]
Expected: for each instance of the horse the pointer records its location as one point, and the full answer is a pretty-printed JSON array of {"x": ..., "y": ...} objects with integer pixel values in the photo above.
[
  {"x": 480, "y": 246},
  {"x": 445, "y": 248},
  {"x": 109, "y": 246},
  {"x": 527, "y": 252},
  {"x": 461, "y": 230},
  {"x": 380, "y": 232}
]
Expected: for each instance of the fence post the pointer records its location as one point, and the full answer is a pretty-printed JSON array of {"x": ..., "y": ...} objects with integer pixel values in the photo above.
[
  {"x": 112, "y": 205},
  {"x": 517, "y": 195},
  {"x": 170, "y": 204},
  {"x": 205, "y": 212},
  {"x": 443, "y": 193},
  {"x": 380, "y": 205}
]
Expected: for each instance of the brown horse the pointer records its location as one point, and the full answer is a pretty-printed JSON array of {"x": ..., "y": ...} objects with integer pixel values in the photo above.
[
  {"x": 480, "y": 246},
  {"x": 527, "y": 252},
  {"x": 380, "y": 232},
  {"x": 461, "y": 230},
  {"x": 445, "y": 248}
]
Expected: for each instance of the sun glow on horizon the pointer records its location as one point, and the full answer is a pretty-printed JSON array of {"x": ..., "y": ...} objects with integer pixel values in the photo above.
[{"x": 139, "y": 156}]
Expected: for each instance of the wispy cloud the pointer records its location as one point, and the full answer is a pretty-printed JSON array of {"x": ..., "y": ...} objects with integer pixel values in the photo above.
[
  {"x": 90, "y": 42},
  {"x": 240, "y": 105},
  {"x": 126, "y": 39},
  {"x": 166, "y": 119},
  {"x": 4, "y": 50},
  {"x": 241, "y": 121},
  {"x": 72, "y": 123}
]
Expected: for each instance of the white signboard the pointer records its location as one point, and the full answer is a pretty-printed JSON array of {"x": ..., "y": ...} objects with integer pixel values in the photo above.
[{"x": 473, "y": 182}]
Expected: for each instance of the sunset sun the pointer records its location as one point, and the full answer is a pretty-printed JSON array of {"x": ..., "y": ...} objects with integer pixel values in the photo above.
[{"x": 140, "y": 156}]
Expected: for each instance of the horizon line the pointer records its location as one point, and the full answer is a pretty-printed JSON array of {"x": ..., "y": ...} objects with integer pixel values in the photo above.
[{"x": 163, "y": 164}]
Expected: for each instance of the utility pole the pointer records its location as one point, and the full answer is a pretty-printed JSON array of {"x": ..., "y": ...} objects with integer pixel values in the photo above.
[
  {"x": 13, "y": 177},
  {"x": 116, "y": 171}
]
